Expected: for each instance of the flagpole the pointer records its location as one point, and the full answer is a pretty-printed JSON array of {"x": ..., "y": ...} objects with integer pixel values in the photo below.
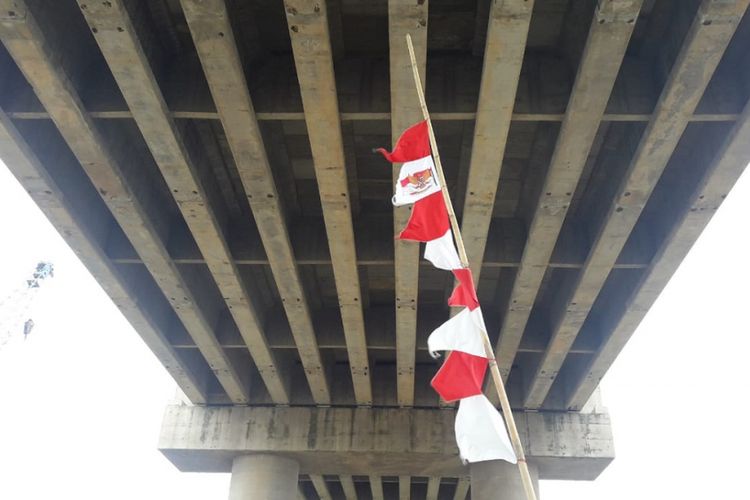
[{"x": 515, "y": 438}]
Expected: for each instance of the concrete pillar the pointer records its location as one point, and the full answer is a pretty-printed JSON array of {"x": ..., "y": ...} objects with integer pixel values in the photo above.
[
  {"x": 499, "y": 480},
  {"x": 263, "y": 477}
]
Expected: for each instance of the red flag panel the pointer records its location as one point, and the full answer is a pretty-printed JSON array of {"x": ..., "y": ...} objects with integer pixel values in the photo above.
[
  {"x": 460, "y": 376},
  {"x": 428, "y": 221},
  {"x": 413, "y": 144},
  {"x": 465, "y": 294}
]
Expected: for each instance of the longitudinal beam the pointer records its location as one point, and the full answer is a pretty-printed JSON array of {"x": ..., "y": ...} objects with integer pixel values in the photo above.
[
  {"x": 433, "y": 488},
  {"x": 503, "y": 56},
  {"x": 404, "y": 488},
  {"x": 128, "y": 198},
  {"x": 718, "y": 179},
  {"x": 605, "y": 48},
  {"x": 347, "y": 484},
  {"x": 72, "y": 213},
  {"x": 115, "y": 33},
  {"x": 702, "y": 49},
  {"x": 311, "y": 45},
  {"x": 376, "y": 487},
  {"x": 462, "y": 488},
  {"x": 405, "y": 17},
  {"x": 321, "y": 488},
  {"x": 214, "y": 40}
]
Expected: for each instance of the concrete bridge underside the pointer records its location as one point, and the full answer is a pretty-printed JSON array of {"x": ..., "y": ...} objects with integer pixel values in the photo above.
[{"x": 211, "y": 163}]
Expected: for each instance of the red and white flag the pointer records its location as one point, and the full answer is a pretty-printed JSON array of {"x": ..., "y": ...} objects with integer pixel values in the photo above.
[
  {"x": 461, "y": 376},
  {"x": 418, "y": 178},
  {"x": 428, "y": 220},
  {"x": 442, "y": 252},
  {"x": 465, "y": 294},
  {"x": 480, "y": 431},
  {"x": 463, "y": 332}
]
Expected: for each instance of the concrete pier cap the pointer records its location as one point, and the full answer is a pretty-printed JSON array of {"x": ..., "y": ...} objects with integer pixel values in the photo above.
[{"x": 362, "y": 441}]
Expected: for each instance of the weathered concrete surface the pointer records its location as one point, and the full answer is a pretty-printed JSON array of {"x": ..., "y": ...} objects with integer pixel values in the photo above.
[
  {"x": 356, "y": 441},
  {"x": 267, "y": 477},
  {"x": 500, "y": 480}
]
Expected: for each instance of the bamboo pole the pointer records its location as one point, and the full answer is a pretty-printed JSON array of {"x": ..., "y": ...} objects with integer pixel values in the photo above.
[{"x": 515, "y": 438}]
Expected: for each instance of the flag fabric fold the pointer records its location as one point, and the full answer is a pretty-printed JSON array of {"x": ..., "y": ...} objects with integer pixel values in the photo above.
[
  {"x": 428, "y": 220},
  {"x": 480, "y": 431},
  {"x": 417, "y": 178},
  {"x": 464, "y": 295},
  {"x": 463, "y": 332},
  {"x": 413, "y": 144},
  {"x": 442, "y": 252},
  {"x": 460, "y": 376}
]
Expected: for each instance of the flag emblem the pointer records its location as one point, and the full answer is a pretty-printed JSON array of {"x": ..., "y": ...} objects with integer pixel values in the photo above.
[{"x": 418, "y": 181}]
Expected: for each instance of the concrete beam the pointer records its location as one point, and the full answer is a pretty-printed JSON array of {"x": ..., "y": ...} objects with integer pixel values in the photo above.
[
  {"x": 356, "y": 441},
  {"x": 376, "y": 487},
  {"x": 347, "y": 484},
  {"x": 83, "y": 221},
  {"x": 503, "y": 56},
  {"x": 214, "y": 40},
  {"x": 115, "y": 33},
  {"x": 702, "y": 49},
  {"x": 272, "y": 116},
  {"x": 321, "y": 488},
  {"x": 608, "y": 39},
  {"x": 129, "y": 197},
  {"x": 462, "y": 488},
  {"x": 313, "y": 57},
  {"x": 404, "y": 487},
  {"x": 433, "y": 488},
  {"x": 405, "y": 16},
  {"x": 717, "y": 180}
]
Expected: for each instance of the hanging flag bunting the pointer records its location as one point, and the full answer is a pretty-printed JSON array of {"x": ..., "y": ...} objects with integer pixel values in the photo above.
[
  {"x": 442, "y": 252},
  {"x": 428, "y": 221},
  {"x": 417, "y": 178},
  {"x": 464, "y": 295},
  {"x": 413, "y": 144},
  {"x": 463, "y": 332},
  {"x": 480, "y": 432},
  {"x": 460, "y": 376}
]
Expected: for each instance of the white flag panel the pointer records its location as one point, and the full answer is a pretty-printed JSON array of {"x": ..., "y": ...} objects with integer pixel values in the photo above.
[
  {"x": 442, "y": 252},
  {"x": 480, "y": 432},
  {"x": 463, "y": 332},
  {"x": 416, "y": 180}
]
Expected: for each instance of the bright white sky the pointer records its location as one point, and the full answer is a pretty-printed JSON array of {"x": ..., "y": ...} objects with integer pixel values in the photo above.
[{"x": 81, "y": 400}]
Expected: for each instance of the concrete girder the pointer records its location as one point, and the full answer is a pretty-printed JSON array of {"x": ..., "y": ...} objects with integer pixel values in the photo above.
[{"x": 356, "y": 441}]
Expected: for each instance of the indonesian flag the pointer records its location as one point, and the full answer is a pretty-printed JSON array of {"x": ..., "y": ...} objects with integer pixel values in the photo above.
[
  {"x": 465, "y": 294},
  {"x": 418, "y": 184},
  {"x": 480, "y": 431},
  {"x": 463, "y": 332},
  {"x": 418, "y": 178},
  {"x": 462, "y": 373}
]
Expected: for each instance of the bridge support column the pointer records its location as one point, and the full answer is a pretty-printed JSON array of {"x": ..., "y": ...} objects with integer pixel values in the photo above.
[
  {"x": 499, "y": 480},
  {"x": 263, "y": 477}
]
